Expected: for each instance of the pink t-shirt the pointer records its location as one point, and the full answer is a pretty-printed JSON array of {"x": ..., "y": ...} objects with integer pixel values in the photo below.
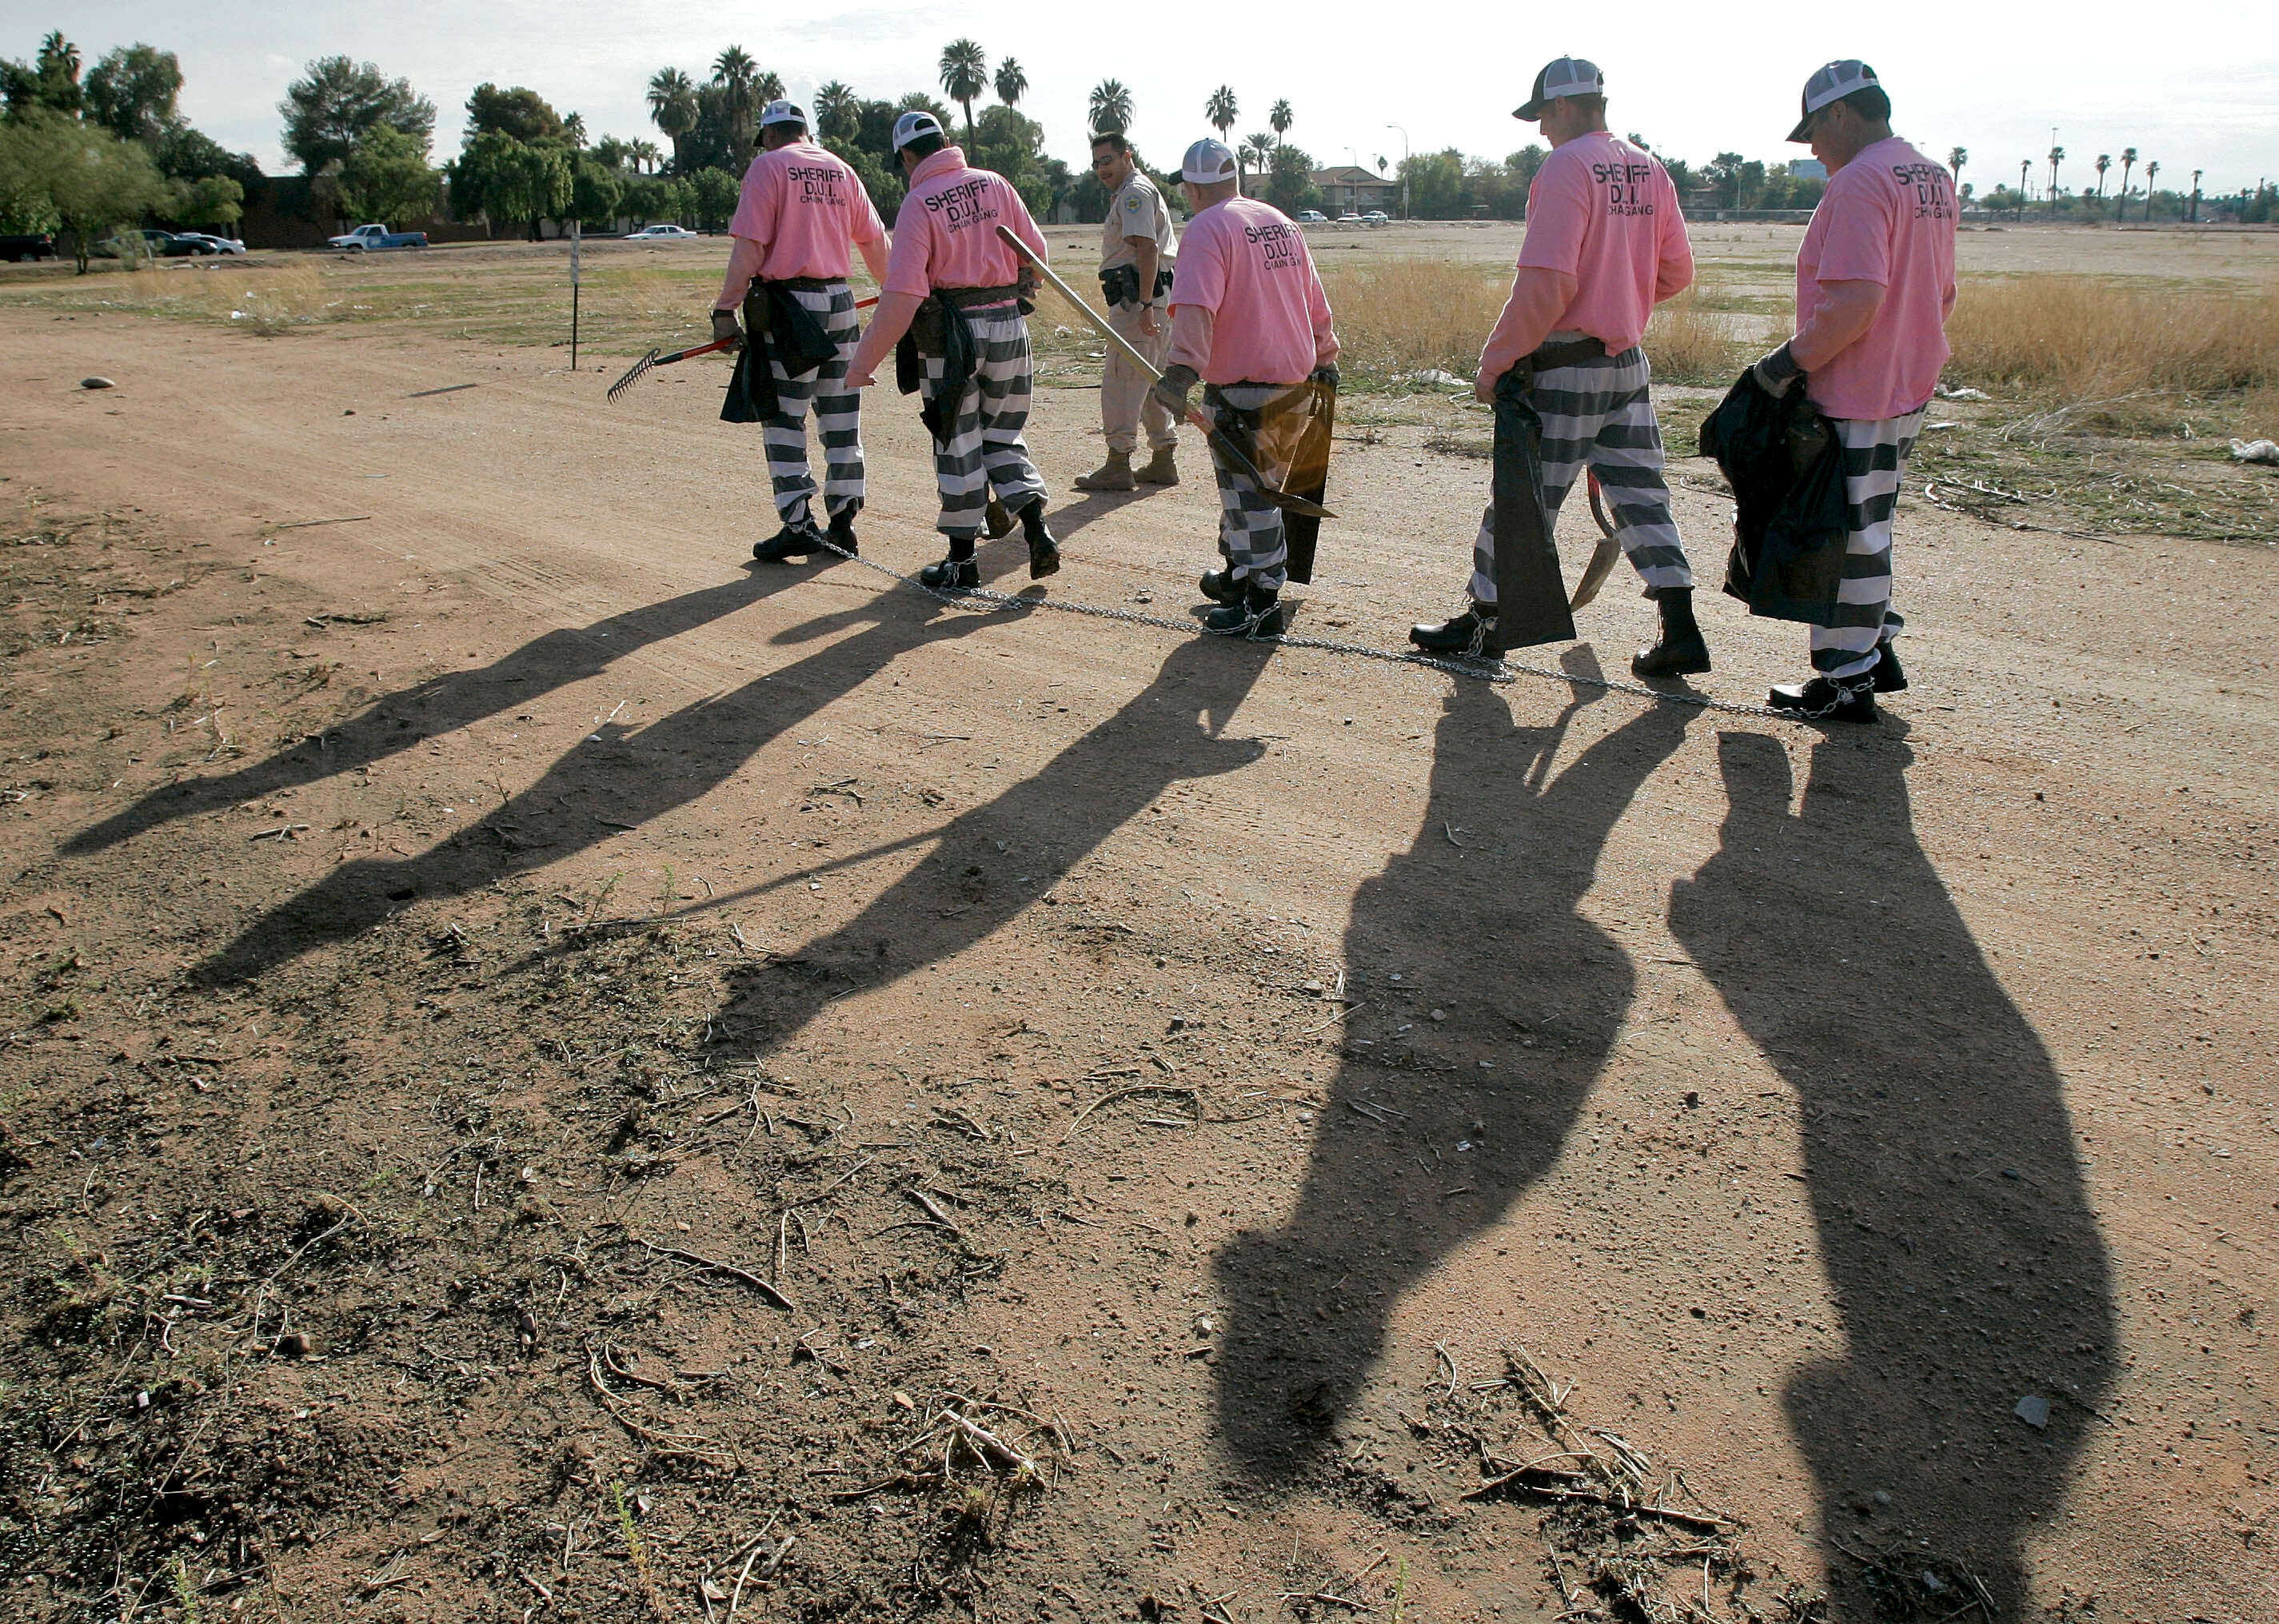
[
  {"x": 945, "y": 233},
  {"x": 1603, "y": 211},
  {"x": 1888, "y": 217},
  {"x": 805, "y": 209},
  {"x": 1247, "y": 264}
]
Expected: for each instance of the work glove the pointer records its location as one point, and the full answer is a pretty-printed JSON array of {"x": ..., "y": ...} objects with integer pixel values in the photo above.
[
  {"x": 725, "y": 329},
  {"x": 1777, "y": 372},
  {"x": 1174, "y": 386},
  {"x": 1324, "y": 375}
]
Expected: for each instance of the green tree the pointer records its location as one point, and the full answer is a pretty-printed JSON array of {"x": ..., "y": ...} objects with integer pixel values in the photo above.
[
  {"x": 837, "y": 107},
  {"x": 133, "y": 93},
  {"x": 524, "y": 114},
  {"x": 506, "y": 180},
  {"x": 24, "y": 203},
  {"x": 210, "y": 200},
  {"x": 672, "y": 107},
  {"x": 1281, "y": 117},
  {"x": 714, "y": 196},
  {"x": 964, "y": 75},
  {"x": 1289, "y": 180},
  {"x": 1957, "y": 159},
  {"x": 387, "y": 179},
  {"x": 327, "y": 112},
  {"x": 1110, "y": 110},
  {"x": 1222, "y": 109},
  {"x": 1012, "y": 83},
  {"x": 1256, "y": 153},
  {"x": 1436, "y": 183},
  {"x": 94, "y": 183},
  {"x": 597, "y": 192},
  {"x": 2128, "y": 163}
]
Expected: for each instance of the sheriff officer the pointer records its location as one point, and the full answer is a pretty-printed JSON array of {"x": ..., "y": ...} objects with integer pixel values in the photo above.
[{"x": 1136, "y": 246}]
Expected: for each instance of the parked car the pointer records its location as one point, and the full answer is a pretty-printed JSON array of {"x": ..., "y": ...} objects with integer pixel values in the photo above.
[
  {"x": 1312, "y": 216},
  {"x": 155, "y": 245},
  {"x": 365, "y": 239},
  {"x": 1375, "y": 216},
  {"x": 213, "y": 244},
  {"x": 34, "y": 245},
  {"x": 1348, "y": 219},
  {"x": 651, "y": 234}
]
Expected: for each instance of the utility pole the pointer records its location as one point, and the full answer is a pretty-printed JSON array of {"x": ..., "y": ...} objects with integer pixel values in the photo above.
[{"x": 1404, "y": 169}]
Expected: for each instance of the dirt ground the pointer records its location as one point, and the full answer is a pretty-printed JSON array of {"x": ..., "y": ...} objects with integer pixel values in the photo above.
[{"x": 551, "y": 1072}]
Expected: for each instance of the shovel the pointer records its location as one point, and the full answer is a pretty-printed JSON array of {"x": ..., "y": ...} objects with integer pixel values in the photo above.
[{"x": 1219, "y": 442}]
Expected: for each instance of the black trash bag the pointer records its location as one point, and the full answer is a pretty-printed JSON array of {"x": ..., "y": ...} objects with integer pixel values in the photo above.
[{"x": 1791, "y": 522}]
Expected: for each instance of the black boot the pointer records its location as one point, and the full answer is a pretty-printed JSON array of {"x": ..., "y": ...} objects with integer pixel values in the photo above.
[
  {"x": 1044, "y": 552},
  {"x": 1220, "y": 586},
  {"x": 958, "y": 572},
  {"x": 793, "y": 540},
  {"x": 1680, "y": 651},
  {"x": 1257, "y": 613},
  {"x": 841, "y": 534},
  {"x": 1889, "y": 678},
  {"x": 1472, "y": 632},
  {"x": 1826, "y": 699}
]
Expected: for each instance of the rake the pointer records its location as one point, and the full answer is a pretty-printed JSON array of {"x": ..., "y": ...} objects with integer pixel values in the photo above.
[{"x": 650, "y": 361}]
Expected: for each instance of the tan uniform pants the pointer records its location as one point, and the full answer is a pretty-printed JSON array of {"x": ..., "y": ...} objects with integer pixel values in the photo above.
[{"x": 1124, "y": 402}]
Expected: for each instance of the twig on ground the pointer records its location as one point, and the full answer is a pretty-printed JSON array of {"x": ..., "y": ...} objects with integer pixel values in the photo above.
[
  {"x": 1126, "y": 1094},
  {"x": 744, "y": 1275}
]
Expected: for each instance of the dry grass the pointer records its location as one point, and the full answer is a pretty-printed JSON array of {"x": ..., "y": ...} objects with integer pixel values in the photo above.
[
  {"x": 1690, "y": 341},
  {"x": 2079, "y": 338},
  {"x": 1401, "y": 316}
]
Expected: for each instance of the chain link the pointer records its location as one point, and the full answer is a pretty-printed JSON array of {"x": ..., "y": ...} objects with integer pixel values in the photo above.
[{"x": 1497, "y": 671}]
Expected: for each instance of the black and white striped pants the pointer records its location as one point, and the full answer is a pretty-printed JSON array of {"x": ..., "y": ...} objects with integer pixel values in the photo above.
[
  {"x": 838, "y": 417},
  {"x": 1249, "y": 526},
  {"x": 1876, "y": 452},
  {"x": 985, "y": 448},
  {"x": 1600, "y": 412}
]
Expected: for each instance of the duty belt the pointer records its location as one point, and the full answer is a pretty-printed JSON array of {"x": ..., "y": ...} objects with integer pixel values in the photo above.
[{"x": 806, "y": 284}]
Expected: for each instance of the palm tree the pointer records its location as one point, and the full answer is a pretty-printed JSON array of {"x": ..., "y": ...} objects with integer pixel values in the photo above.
[
  {"x": 1110, "y": 108},
  {"x": 644, "y": 154},
  {"x": 837, "y": 110},
  {"x": 1012, "y": 83},
  {"x": 1257, "y": 151},
  {"x": 738, "y": 77},
  {"x": 2104, "y": 162},
  {"x": 1221, "y": 110},
  {"x": 1956, "y": 158},
  {"x": 769, "y": 87},
  {"x": 2057, "y": 156},
  {"x": 2128, "y": 163},
  {"x": 1281, "y": 119},
  {"x": 2152, "y": 171},
  {"x": 672, "y": 106},
  {"x": 964, "y": 75}
]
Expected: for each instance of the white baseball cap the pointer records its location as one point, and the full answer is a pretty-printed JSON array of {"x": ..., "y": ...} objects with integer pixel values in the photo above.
[
  {"x": 1567, "y": 76},
  {"x": 1208, "y": 163},
  {"x": 1831, "y": 83},
  {"x": 782, "y": 112},
  {"x": 914, "y": 124}
]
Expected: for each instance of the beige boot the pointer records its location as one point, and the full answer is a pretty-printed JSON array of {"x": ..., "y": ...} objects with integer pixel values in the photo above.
[
  {"x": 1113, "y": 475},
  {"x": 1161, "y": 470}
]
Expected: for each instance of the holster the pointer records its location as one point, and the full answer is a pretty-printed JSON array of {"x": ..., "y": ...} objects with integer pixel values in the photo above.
[
  {"x": 1120, "y": 285},
  {"x": 1531, "y": 597}
]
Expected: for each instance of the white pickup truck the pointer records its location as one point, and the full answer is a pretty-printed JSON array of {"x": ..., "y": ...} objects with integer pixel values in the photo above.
[{"x": 363, "y": 239}]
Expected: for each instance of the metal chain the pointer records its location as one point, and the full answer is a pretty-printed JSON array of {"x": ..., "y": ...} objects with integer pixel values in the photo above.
[{"x": 1499, "y": 672}]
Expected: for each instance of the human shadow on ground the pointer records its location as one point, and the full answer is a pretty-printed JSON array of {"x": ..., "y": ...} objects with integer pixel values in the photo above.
[
  {"x": 1419, "y": 1148},
  {"x": 1967, "y": 1268},
  {"x": 994, "y": 861},
  {"x": 606, "y": 784},
  {"x": 400, "y": 721}
]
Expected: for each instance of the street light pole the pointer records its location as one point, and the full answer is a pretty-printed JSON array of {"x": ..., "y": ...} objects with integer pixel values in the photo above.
[{"x": 1404, "y": 169}]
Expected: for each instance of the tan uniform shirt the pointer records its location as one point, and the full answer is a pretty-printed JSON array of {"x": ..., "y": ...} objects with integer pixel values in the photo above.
[{"x": 1137, "y": 211}]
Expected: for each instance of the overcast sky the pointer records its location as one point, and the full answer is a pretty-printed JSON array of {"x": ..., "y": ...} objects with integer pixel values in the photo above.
[{"x": 2193, "y": 85}]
